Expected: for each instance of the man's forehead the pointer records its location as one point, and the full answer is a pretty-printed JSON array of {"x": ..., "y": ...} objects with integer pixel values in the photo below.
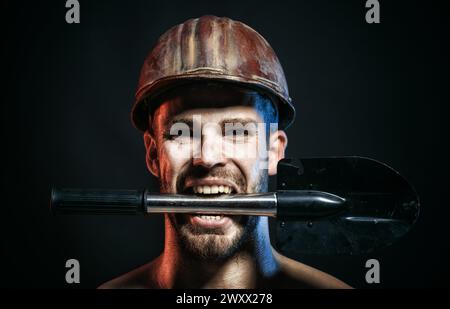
[
  {"x": 214, "y": 101},
  {"x": 233, "y": 114}
]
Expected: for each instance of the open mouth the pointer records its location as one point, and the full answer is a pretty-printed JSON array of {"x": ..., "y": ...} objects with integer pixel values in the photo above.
[
  {"x": 210, "y": 191},
  {"x": 209, "y": 221}
]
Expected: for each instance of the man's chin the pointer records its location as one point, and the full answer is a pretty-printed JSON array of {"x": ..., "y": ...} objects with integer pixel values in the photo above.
[
  {"x": 210, "y": 246},
  {"x": 206, "y": 237}
]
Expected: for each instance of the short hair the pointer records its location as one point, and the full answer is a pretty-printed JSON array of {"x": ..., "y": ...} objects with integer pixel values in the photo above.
[{"x": 268, "y": 110}]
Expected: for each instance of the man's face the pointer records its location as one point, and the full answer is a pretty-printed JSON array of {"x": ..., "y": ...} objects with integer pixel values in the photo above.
[{"x": 210, "y": 141}]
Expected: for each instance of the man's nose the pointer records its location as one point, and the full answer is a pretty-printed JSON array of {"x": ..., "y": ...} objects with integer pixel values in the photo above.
[{"x": 211, "y": 152}]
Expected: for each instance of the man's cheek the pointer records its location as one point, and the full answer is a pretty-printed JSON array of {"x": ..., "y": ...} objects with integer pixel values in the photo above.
[
  {"x": 241, "y": 150},
  {"x": 170, "y": 163},
  {"x": 179, "y": 149}
]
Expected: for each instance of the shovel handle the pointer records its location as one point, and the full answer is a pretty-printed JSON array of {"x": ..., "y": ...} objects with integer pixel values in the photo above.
[
  {"x": 281, "y": 204},
  {"x": 89, "y": 201}
]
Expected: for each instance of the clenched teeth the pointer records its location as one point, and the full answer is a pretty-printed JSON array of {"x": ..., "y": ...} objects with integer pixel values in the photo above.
[
  {"x": 214, "y": 189},
  {"x": 211, "y": 217}
]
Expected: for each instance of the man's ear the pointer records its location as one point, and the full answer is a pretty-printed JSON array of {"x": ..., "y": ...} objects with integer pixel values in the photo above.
[
  {"x": 151, "y": 154},
  {"x": 277, "y": 145}
]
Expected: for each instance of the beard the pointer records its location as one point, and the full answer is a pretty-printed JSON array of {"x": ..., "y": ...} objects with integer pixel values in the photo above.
[{"x": 216, "y": 243}]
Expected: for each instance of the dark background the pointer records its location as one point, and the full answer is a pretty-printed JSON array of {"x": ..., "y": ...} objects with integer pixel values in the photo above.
[{"x": 379, "y": 91}]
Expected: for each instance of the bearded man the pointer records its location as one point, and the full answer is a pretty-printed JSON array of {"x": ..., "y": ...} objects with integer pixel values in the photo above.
[{"x": 204, "y": 91}]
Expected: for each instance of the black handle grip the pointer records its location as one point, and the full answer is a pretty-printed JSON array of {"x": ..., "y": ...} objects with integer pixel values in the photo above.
[{"x": 79, "y": 201}]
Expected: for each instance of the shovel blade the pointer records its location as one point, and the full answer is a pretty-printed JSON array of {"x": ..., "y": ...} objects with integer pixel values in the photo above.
[{"x": 382, "y": 206}]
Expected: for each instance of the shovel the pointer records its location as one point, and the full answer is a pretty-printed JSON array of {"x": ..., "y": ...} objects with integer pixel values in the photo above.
[{"x": 325, "y": 206}]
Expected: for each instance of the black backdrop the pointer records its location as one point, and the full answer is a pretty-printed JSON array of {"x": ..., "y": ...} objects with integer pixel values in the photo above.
[{"x": 372, "y": 90}]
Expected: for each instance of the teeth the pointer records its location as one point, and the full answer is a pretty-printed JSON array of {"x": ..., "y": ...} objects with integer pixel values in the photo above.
[
  {"x": 214, "y": 189},
  {"x": 211, "y": 217}
]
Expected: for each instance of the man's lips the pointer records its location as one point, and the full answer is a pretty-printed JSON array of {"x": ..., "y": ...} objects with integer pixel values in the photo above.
[
  {"x": 210, "y": 221},
  {"x": 210, "y": 186}
]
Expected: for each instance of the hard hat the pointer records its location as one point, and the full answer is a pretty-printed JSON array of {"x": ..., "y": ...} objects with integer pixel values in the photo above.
[{"x": 213, "y": 49}]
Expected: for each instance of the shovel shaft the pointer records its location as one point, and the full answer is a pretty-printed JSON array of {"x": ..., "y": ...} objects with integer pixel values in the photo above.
[
  {"x": 261, "y": 204},
  {"x": 282, "y": 204}
]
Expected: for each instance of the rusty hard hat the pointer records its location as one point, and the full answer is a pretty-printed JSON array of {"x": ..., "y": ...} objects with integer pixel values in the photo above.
[{"x": 217, "y": 49}]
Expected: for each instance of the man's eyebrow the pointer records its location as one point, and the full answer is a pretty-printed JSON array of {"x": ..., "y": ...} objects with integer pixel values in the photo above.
[
  {"x": 186, "y": 120},
  {"x": 230, "y": 121},
  {"x": 233, "y": 121}
]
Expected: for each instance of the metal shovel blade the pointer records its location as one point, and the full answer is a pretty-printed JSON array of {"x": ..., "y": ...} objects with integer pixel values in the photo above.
[{"x": 381, "y": 206}]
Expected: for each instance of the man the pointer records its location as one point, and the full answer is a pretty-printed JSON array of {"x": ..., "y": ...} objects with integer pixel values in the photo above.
[{"x": 205, "y": 89}]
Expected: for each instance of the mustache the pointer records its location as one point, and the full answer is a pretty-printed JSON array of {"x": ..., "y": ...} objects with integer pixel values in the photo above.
[{"x": 219, "y": 172}]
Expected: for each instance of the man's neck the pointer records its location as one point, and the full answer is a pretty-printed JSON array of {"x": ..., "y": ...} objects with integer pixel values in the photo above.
[{"x": 246, "y": 268}]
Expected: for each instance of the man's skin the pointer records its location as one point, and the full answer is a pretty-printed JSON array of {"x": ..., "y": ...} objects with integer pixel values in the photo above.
[{"x": 236, "y": 252}]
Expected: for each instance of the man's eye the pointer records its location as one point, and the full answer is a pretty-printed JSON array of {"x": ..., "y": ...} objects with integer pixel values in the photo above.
[
  {"x": 177, "y": 134},
  {"x": 237, "y": 134}
]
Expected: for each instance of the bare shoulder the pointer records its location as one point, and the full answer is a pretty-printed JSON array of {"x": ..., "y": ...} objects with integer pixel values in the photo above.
[
  {"x": 135, "y": 279},
  {"x": 298, "y": 275}
]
